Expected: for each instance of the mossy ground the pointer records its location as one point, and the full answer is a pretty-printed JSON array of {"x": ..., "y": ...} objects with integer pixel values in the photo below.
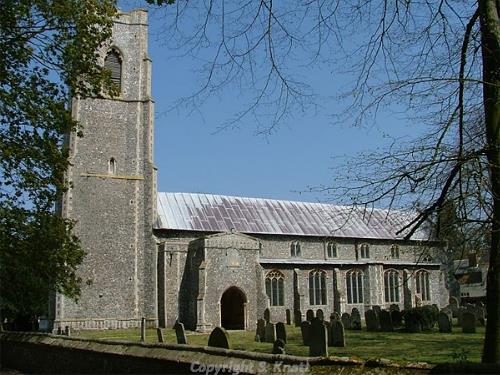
[{"x": 432, "y": 347}]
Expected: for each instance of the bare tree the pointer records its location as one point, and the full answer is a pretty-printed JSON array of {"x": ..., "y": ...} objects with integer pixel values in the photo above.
[{"x": 438, "y": 59}]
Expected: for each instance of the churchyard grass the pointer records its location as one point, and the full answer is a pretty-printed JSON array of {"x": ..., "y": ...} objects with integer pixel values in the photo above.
[{"x": 431, "y": 347}]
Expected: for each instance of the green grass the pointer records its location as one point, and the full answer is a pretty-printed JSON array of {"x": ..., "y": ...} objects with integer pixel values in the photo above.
[{"x": 432, "y": 347}]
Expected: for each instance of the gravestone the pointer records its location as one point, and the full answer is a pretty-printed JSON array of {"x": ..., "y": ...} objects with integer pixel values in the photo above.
[
  {"x": 444, "y": 322},
  {"x": 219, "y": 338},
  {"x": 270, "y": 335},
  {"x": 67, "y": 331},
  {"x": 320, "y": 314},
  {"x": 297, "y": 317},
  {"x": 59, "y": 330},
  {"x": 180, "y": 333},
  {"x": 397, "y": 318},
  {"x": 371, "y": 321},
  {"x": 385, "y": 320},
  {"x": 337, "y": 334},
  {"x": 143, "y": 329},
  {"x": 159, "y": 333},
  {"x": 305, "y": 329},
  {"x": 328, "y": 326},
  {"x": 261, "y": 330},
  {"x": 355, "y": 319},
  {"x": 280, "y": 332},
  {"x": 309, "y": 315},
  {"x": 257, "y": 338},
  {"x": 394, "y": 307},
  {"x": 460, "y": 311},
  {"x": 334, "y": 316},
  {"x": 288, "y": 317},
  {"x": 267, "y": 315},
  {"x": 346, "y": 320},
  {"x": 377, "y": 309},
  {"x": 318, "y": 339},
  {"x": 468, "y": 322},
  {"x": 454, "y": 305},
  {"x": 279, "y": 347}
]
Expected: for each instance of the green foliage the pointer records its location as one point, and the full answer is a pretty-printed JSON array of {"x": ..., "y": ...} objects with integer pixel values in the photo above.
[
  {"x": 419, "y": 319},
  {"x": 49, "y": 52}
]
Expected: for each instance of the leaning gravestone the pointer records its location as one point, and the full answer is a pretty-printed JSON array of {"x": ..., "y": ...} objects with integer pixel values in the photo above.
[
  {"x": 159, "y": 333},
  {"x": 261, "y": 329},
  {"x": 280, "y": 332},
  {"x": 397, "y": 318},
  {"x": 355, "y": 319},
  {"x": 267, "y": 315},
  {"x": 180, "y": 333},
  {"x": 305, "y": 329},
  {"x": 297, "y": 317},
  {"x": 288, "y": 317},
  {"x": 385, "y": 321},
  {"x": 270, "y": 335},
  {"x": 337, "y": 334},
  {"x": 219, "y": 338},
  {"x": 468, "y": 322},
  {"x": 320, "y": 314},
  {"x": 309, "y": 315},
  {"x": 444, "y": 322},
  {"x": 318, "y": 339},
  {"x": 279, "y": 347},
  {"x": 371, "y": 320},
  {"x": 346, "y": 320}
]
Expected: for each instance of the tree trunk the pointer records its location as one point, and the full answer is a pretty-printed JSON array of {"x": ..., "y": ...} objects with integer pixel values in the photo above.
[{"x": 490, "y": 38}]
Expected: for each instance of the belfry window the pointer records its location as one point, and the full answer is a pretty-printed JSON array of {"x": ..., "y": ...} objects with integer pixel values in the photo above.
[
  {"x": 113, "y": 63},
  {"x": 112, "y": 166},
  {"x": 423, "y": 286},
  {"x": 295, "y": 249},
  {"x": 391, "y": 286},
  {"x": 365, "y": 250},
  {"x": 274, "y": 288},
  {"x": 395, "y": 252},
  {"x": 317, "y": 287},
  {"x": 354, "y": 285},
  {"x": 331, "y": 250}
]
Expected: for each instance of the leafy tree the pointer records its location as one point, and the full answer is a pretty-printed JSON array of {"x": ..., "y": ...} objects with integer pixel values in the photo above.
[
  {"x": 48, "y": 53},
  {"x": 437, "y": 60}
]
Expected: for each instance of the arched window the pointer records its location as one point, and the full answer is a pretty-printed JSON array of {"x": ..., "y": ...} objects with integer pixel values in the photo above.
[
  {"x": 317, "y": 287},
  {"x": 365, "y": 250},
  {"x": 112, "y": 166},
  {"x": 331, "y": 250},
  {"x": 423, "y": 286},
  {"x": 295, "y": 249},
  {"x": 354, "y": 284},
  {"x": 395, "y": 251},
  {"x": 274, "y": 288},
  {"x": 113, "y": 63},
  {"x": 391, "y": 286}
]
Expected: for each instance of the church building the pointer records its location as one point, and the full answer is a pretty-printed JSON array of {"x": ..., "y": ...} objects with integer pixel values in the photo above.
[{"x": 211, "y": 260}]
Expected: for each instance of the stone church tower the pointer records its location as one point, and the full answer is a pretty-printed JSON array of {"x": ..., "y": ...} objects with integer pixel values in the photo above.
[{"x": 113, "y": 196}]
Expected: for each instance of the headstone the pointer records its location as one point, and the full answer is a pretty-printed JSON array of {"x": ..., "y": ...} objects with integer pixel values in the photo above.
[
  {"x": 337, "y": 334},
  {"x": 309, "y": 315},
  {"x": 320, "y": 314},
  {"x": 305, "y": 329},
  {"x": 297, "y": 317},
  {"x": 397, "y": 318},
  {"x": 270, "y": 335},
  {"x": 180, "y": 333},
  {"x": 377, "y": 309},
  {"x": 159, "y": 333},
  {"x": 288, "y": 317},
  {"x": 460, "y": 311},
  {"x": 454, "y": 305},
  {"x": 385, "y": 320},
  {"x": 219, "y": 338},
  {"x": 267, "y": 315},
  {"x": 280, "y": 332},
  {"x": 318, "y": 339},
  {"x": 468, "y": 322},
  {"x": 355, "y": 319},
  {"x": 279, "y": 347},
  {"x": 394, "y": 307},
  {"x": 261, "y": 329},
  {"x": 444, "y": 322},
  {"x": 328, "y": 326},
  {"x": 143, "y": 329},
  {"x": 371, "y": 321},
  {"x": 59, "y": 330},
  {"x": 346, "y": 320},
  {"x": 334, "y": 316},
  {"x": 67, "y": 331},
  {"x": 257, "y": 338}
]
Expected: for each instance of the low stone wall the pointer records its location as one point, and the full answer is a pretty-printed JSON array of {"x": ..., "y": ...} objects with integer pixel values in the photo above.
[{"x": 45, "y": 353}]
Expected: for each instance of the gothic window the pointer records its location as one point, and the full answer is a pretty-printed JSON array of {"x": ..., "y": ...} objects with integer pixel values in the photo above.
[
  {"x": 331, "y": 250},
  {"x": 354, "y": 284},
  {"x": 112, "y": 166},
  {"x": 295, "y": 249},
  {"x": 423, "y": 286},
  {"x": 113, "y": 63},
  {"x": 391, "y": 286},
  {"x": 274, "y": 288},
  {"x": 317, "y": 287},
  {"x": 395, "y": 252},
  {"x": 365, "y": 250}
]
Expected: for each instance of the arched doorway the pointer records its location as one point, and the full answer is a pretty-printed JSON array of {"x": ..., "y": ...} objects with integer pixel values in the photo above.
[{"x": 232, "y": 309}]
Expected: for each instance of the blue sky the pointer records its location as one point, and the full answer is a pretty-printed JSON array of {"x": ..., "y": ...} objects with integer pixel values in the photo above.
[{"x": 192, "y": 156}]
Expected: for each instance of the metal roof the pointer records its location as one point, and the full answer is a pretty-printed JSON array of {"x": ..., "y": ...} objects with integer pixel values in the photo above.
[{"x": 220, "y": 213}]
